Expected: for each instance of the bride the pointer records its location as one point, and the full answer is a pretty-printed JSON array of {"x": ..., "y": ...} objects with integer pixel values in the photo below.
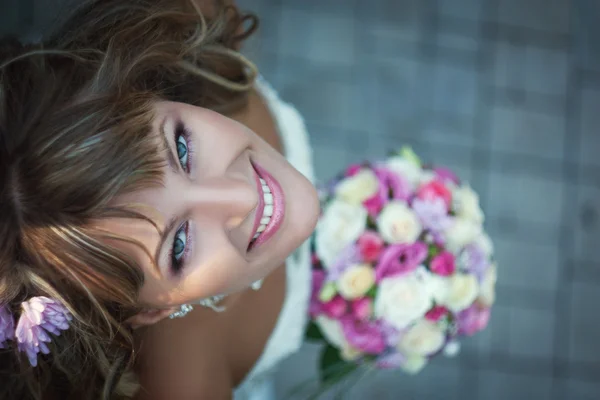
[{"x": 155, "y": 200}]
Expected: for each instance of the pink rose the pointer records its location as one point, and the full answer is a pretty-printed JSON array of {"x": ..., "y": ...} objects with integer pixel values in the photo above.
[
  {"x": 363, "y": 335},
  {"x": 315, "y": 307},
  {"x": 400, "y": 259},
  {"x": 362, "y": 308},
  {"x": 353, "y": 170},
  {"x": 335, "y": 308},
  {"x": 443, "y": 264},
  {"x": 370, "y": 245},
  {"x": 435, "y": 190},
  {"x": 436, "y": 313},
  {"x": 473, "y": 319},
  {"x": 445, "y": 175}
]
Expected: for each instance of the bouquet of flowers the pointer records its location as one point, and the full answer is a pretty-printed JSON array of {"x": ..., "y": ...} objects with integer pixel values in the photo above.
[{"x": 401, "y": 266}]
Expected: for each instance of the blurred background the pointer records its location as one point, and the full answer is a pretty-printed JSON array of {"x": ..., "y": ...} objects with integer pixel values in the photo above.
[{"x": 505, "y": 92}]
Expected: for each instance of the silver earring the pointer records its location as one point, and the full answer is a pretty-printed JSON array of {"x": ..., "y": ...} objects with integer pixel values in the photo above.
[
  {"x": 257, "y": 285},
  {"x": 183, "y": 311},
  {"x": 211, "y": 302}
]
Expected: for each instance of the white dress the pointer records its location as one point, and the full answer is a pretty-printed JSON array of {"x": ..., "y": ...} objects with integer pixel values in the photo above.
[{"x": 288, "y": 334}]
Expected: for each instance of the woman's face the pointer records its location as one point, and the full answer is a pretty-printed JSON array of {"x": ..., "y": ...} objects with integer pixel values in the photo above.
[{"x": 231, "y": 209}]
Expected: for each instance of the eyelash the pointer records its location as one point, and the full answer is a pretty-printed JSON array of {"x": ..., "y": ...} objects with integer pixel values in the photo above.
[{"x": 178, "y": 264}]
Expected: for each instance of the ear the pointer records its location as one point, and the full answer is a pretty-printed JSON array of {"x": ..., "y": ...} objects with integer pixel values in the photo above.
[{"x": 150, "y": 316}]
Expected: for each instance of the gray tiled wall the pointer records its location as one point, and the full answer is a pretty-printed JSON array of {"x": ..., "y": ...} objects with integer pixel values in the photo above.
[{"x": 506, "y": 92}]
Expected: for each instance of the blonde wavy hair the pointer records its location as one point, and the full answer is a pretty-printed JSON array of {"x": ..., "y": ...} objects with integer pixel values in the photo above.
[{"x": 75, "y": 132}]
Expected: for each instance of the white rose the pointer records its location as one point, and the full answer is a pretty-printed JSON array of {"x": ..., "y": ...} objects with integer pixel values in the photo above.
[
  {"x": 426, "y": 177},
  {"x": 332, "y": 330},
  {"x": 397, "y": 223},
  {"x": 422, "y": 339},
  {"x": 460, "y": 233},
  {"x": 403, "y": 299},
  {"x": 358, "y": 188},
  {"x": 414, "y": 364},
  {"x": 356, "y": 281},
  {"x": 340, "y": 225},
  {"x": 457, "y": 292},
  {"x": 485, "y": 244},
  {"x": 467, "y": 204},
  {"x": 487, "y": 292},
  {"x": 452, "y": 349},
  {"x": 407, "y": 169}
]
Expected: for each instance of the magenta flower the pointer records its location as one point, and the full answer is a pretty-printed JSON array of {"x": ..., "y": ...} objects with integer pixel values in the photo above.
[
  {"x": 335, "y": 308},
  {"x": 7, "y": 326},
  {"x": 473, "y": 319},
  {"x": 318, "y": 277},
  {"x": 391, "y": 186},
  {"x": 39, "y": 317},
  {"x": 353, "y": 169},
  {"x": 362, "y": 308},
  {"x": 443, "y": 264},
  {"x": 435, "y": 190},
  {"x": 436, "y": 313},
  {"x": 445, "y": 175},
  {"x": 370, "y": 245},
  {"x": 400, "y": 259},
  {"x": 363, "y": 335}
]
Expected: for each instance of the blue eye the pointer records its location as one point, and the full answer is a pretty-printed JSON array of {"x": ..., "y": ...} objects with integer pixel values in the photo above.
[
  {"x": 182, "y": 152},
  {"x": 178, "y": 250}
]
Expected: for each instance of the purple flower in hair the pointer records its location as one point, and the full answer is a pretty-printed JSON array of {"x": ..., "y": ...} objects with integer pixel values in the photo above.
[
  {"x": 39, "y": 317},
  {"x": 7, "y": 326}
]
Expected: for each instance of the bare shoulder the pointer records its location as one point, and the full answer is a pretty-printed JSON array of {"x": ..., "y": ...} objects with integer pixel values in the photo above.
[{"x": 184, "y": 359}]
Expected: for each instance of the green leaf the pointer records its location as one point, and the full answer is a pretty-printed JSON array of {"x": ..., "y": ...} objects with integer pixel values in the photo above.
[
  {"x": 328, "y": 292},
  {"x": 408, "y": 153},
  {"x": 372, "y": 292},
  {"x": 332, "y": 367},
  {"x": 313, "y": 332}
]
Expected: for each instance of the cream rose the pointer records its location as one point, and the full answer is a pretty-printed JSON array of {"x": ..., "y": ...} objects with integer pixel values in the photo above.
[
  {"x": 460, "y": 233},
  {"x": 414, "y": 364},
  {"x": 349, "y": 353},
  {"x": 403, "y": 299},
  {"x": 457, "y": 292},
  {"x": 487, "y": 292},
  {"x": 407, "y": 169},
  {"x": 467, "y": 204},
  {"x": 422, "y": 339},
  {"x": 358, "y": 188},
  {"x": 340, "y": 225},
  {"x": 356, "y": 281},
  {"x": 332, "y": 330},
  {"x": 397, "y": 223}
]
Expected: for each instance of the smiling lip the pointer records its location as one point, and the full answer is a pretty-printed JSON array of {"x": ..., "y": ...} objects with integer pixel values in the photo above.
[{"x": 278, "y": 207}]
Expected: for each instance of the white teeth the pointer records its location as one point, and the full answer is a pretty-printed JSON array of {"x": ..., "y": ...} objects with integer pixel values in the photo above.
[
  {"x": 262, "y": 181},
  {"x": 268, "y": 211},
  {"x": 256, "y": 235},
  {"x": 268, "y": 198},
  {"x": 265, "y": 220},
  {"x": 265, "y": 188},
  {"x": 261, "y": 228}
]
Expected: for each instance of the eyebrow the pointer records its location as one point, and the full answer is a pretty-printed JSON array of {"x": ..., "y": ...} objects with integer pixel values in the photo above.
[
  {"x": 165, "y": 140},
  {"x": 164, "y": 234}
]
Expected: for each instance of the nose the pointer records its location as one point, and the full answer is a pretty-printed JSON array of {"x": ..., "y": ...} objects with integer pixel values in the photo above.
[{"x": 229, "y": 199}]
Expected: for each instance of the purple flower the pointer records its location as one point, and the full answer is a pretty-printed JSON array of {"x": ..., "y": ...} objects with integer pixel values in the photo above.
[
  {"x": 433, "y": 216},
  {"x": 365, "y": 336},
  {"x": 40, "y": 316},
  {"x": 391, "y": 186},
  {"x": 391, "y": 360},
  {"x": 7, "y": 326},
  {"x": 390, "y": 333},
  {"x": 473, "y": 320},
  {"x": 400, "y": 259},
  {"x": 318, "y": 277},
  {"x": 347, "y": 257},
  {"x": 474, "y": 260}
]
